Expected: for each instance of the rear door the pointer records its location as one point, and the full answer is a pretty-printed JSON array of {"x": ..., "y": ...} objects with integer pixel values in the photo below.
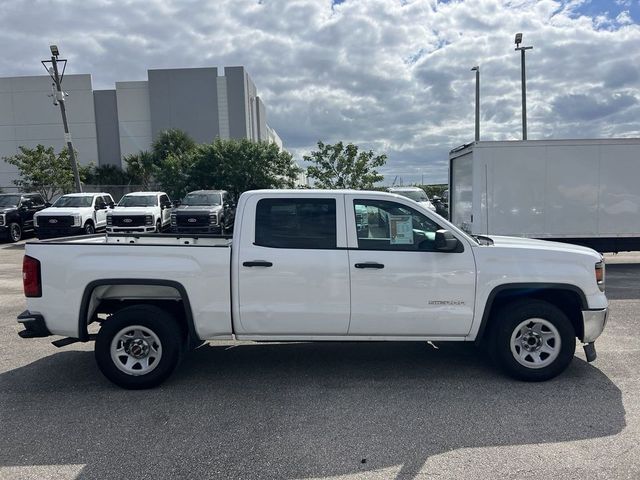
[
  {"x": 293, "y": 273},
  {"x": 400, "y": 284}
]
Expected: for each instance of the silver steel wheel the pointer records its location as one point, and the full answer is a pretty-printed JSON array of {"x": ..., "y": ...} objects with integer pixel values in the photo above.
[
  {"x": 535, "y": 343},
  {"x": 136, "y": 350}
]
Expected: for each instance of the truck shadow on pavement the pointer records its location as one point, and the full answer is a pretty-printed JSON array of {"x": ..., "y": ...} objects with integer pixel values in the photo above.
[{"x": 294, "y": 410}]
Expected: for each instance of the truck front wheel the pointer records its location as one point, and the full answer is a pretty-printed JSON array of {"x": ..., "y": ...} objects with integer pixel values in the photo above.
[
  {"x": 15, "y": 232},
  {"x": 532, "y": 340},
  {"x": 138, "y": 347}
]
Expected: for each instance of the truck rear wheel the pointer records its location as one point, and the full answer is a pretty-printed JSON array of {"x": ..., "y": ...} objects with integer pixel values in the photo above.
[
  {"x": 138, "y": 347},
  {"x": 532, "y": 340}
]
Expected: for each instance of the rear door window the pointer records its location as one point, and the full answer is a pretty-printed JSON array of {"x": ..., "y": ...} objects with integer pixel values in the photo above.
[{"x": 307, "y": 223}]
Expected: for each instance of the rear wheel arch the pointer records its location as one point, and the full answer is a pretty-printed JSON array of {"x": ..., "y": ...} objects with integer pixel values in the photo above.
[
  {"x": 568, "y": 298},
  {"x": 179, "y": 307}
]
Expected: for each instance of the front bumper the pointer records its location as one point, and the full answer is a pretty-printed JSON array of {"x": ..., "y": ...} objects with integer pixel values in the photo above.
[
  {"x": 593, "y": 322},
  {"x": 34, "y": 325},
  {"x": 53, "y": 232},
  {"x": 145, "y": 229}
]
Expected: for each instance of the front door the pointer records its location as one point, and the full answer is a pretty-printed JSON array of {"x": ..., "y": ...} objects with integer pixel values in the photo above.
[
  {"x": 101, "y": 212},
  {"x": 293, "y": 277},
  {"x": 401, "y": 285}
]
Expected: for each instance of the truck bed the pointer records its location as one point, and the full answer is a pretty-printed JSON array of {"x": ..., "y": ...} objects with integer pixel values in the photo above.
[{"x": 79, "y": 264}]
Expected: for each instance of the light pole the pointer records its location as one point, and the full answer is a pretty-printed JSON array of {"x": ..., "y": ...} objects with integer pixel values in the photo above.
[
  {"x": 58, "y": 99},
  {"x": 524, "y": 84},
  {"x": 477, "y": 70}
]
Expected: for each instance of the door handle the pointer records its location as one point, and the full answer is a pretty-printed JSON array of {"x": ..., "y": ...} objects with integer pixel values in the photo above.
[
  {"x": 369, "y": 265},
  {"x": 257, "y": 263}
]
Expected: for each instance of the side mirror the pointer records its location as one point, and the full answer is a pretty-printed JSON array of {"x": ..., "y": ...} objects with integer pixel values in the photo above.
[
  {"x": 112, "y": 204},
  {"x": 445, "y": 241},
  {"x": 176, "y": 203}
]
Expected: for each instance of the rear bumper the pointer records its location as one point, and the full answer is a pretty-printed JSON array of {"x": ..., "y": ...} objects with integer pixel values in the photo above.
[
  {"x": 593, "y": 322},
  {"x": 34, "y": 325}
]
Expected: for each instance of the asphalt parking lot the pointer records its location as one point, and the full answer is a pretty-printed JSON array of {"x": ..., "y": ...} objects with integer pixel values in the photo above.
[{"x": 400, "y": 410}]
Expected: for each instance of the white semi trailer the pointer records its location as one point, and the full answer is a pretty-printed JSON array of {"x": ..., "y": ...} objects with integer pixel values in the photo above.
[{"x": 585, "y": 192}]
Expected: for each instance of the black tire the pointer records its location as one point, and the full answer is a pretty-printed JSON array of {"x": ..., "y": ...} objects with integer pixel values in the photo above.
[
  {"x": 540, "y": 359},
  {"x": 89, "y": 229},
  {"x": 15, "y": 232},
  {"x": 158, "y": 226},
  {"x": 153, "y": 319}
]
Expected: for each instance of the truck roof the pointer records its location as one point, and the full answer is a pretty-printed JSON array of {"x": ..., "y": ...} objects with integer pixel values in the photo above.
[
  {"x": 140, "y": 194},
  {"x": 85, "y": 194}
]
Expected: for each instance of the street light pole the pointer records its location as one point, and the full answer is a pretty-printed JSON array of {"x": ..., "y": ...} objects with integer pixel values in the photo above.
[
  {"x": 477, "y": 70},
  {"x": 524, "y": 83},
  {"x": 58, "y": 99}
]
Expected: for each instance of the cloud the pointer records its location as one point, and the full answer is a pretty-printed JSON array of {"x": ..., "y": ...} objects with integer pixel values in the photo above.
[{"x": 389, "y": 75}]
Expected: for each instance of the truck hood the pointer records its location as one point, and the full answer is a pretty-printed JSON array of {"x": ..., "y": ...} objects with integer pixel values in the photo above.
[
  {"x": 197, "y": 208},
  {"x": 63, "y": 211},
  {"x": 530, "y": 243},
  {"x": 133, "y": 211},
  {"x": 8, "y": 210}
]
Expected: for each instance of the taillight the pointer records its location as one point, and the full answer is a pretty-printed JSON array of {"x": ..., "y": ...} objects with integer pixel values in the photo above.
[
  {"x": 600, "y": 275},
  {"x": 31, "y": 277}
]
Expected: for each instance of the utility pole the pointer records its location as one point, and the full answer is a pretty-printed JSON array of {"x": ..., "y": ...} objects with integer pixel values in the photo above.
[
  {"x": 58, "y": 99},
  {"x": 477, "y": 70},
  {"x": 524, "y": 84}
]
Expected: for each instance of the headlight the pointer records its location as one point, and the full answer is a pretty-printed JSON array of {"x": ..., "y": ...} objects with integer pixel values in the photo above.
[
  {"x": 213, "y": 218},
  {"x": 76, "y": 221},
  {"x": 600, "y": 275},
  {"x": 2, "y": 219},
  {"x": 148, "y": 220},
  {"x": 109, "y": 220},
  {"x": 173, "y": 220},
  {"x": 35, "y": 220}
]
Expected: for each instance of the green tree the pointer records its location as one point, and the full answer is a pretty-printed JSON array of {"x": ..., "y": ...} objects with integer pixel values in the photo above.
[
  {"x": 104, "y": 175},
  {"x": 240, "y": 165},
  {"x": 339, "y": 166},
  {"x": 172, "y": 151},
  {"x": 172, "y": 142},
  {"x": 141, "y": 167},
  {"x": 43, "y": 171}
]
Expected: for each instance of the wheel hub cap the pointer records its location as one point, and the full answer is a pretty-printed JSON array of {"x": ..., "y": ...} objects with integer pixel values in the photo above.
[
  {"x": 137, "y": 348},
  {"x": 531, "y": 341}
]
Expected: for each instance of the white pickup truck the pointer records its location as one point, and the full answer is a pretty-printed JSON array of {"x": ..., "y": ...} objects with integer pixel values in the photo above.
[{"x": 299, "y": 269}]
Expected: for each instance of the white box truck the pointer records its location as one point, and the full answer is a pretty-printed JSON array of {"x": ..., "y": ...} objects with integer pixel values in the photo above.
[{"x": 585, "y": 192}]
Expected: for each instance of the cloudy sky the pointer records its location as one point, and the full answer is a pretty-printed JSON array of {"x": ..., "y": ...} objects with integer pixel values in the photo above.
[{"x": 389, "y": 75}]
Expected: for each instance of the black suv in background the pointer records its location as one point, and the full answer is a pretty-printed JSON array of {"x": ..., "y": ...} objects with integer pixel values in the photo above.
[
  {"x": 204, "y": 211},
  {"x": 16, "y": 213}
]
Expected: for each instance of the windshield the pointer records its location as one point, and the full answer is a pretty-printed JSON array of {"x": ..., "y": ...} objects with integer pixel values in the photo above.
[
  {"x": 204, "y": 199},
  {"x": 73, "y": 202},
  {"x": 415, "y": 195},
  {"x": 138, "y": 201},
  {"x": 9, "y": 200}
]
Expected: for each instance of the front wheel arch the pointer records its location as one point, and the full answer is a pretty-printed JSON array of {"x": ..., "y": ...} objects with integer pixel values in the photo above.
[{"x": 569, "y": 298}]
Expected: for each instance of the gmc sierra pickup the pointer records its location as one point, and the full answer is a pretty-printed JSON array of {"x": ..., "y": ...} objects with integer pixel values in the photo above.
[{"x": 315, "y": 265}]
